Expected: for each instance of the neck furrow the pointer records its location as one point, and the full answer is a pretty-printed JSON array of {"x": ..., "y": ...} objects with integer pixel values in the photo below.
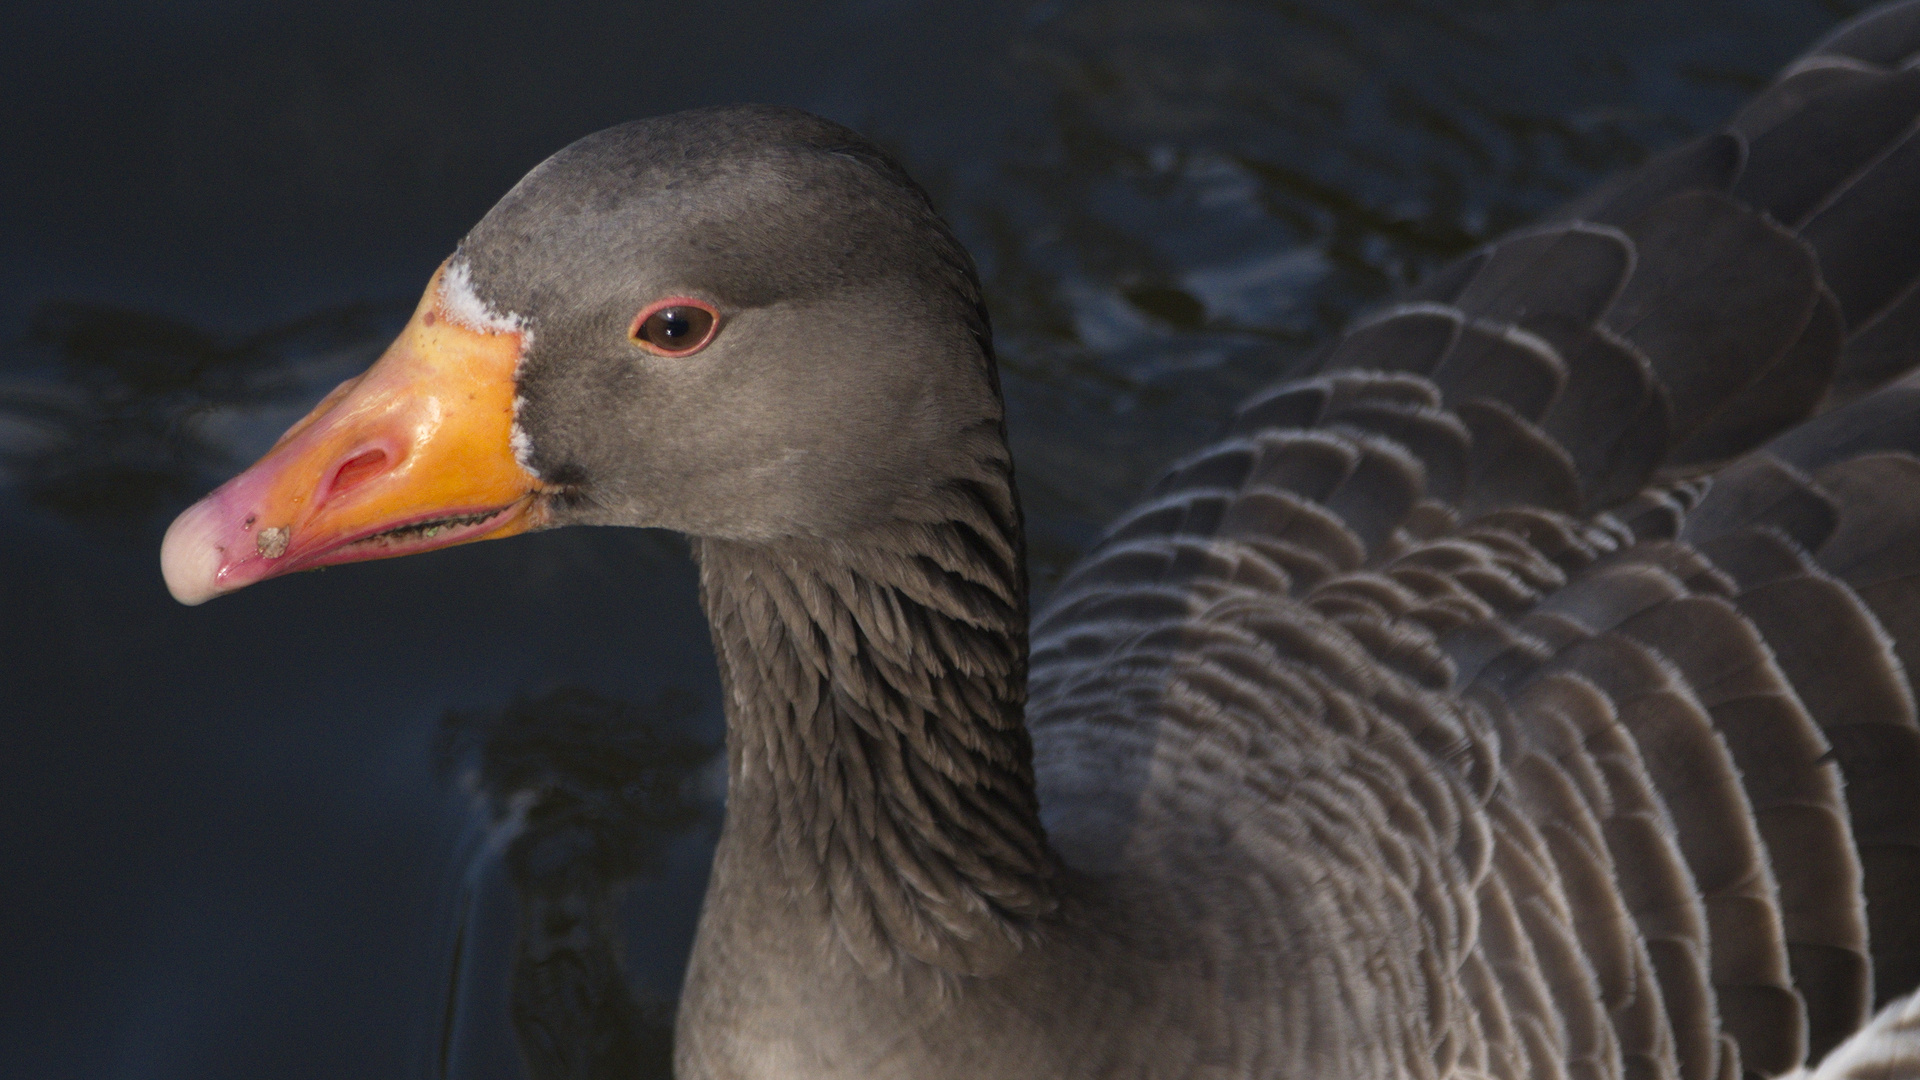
[{"x": 879, "y": 761}]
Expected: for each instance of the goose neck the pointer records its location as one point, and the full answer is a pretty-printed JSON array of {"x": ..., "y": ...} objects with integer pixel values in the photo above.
[{"x": 879, "y": 766}]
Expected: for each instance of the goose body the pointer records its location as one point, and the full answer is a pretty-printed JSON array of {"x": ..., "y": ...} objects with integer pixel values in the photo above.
[{"x": 1521, "y": 693}]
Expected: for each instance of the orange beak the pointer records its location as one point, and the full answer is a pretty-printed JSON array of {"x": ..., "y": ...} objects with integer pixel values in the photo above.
[{"x": 413, "y": 455}]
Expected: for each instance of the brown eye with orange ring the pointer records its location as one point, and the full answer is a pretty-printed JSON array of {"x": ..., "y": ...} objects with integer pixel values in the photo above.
[{"x": 676, "y": 326}]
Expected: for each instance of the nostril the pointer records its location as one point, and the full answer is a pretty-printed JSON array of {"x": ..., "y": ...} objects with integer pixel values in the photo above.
[{"x": 357, "y": 470}]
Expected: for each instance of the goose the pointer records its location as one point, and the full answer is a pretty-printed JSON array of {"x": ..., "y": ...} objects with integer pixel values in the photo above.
[{"x": 1520, "y": 692}]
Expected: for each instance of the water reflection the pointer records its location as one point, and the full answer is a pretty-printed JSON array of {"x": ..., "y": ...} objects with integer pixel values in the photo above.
[
  {"x": 114, "y": 415},
  {"x": 590, "y": 789}
]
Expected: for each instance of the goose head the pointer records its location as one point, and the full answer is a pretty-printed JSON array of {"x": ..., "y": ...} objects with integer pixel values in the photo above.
[{"x": 741, "y": 323}]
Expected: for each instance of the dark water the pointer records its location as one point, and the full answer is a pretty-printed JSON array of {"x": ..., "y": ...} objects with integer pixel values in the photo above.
[{"x": 297, "y": 832}]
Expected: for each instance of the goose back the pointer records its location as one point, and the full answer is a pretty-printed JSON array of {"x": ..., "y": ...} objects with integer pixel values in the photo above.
[{"x": 1542, "y": 656}]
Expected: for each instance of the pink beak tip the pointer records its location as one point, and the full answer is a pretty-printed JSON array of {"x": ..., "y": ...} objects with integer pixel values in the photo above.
[{"x": 191, "y": 555}]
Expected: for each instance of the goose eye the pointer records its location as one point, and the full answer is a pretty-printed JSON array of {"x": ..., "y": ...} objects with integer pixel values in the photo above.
[{"x": 675, "y": 327}]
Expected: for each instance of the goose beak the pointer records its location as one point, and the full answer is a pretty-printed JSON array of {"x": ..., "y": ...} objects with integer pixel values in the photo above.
[{"x": 415, "y": 454}]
